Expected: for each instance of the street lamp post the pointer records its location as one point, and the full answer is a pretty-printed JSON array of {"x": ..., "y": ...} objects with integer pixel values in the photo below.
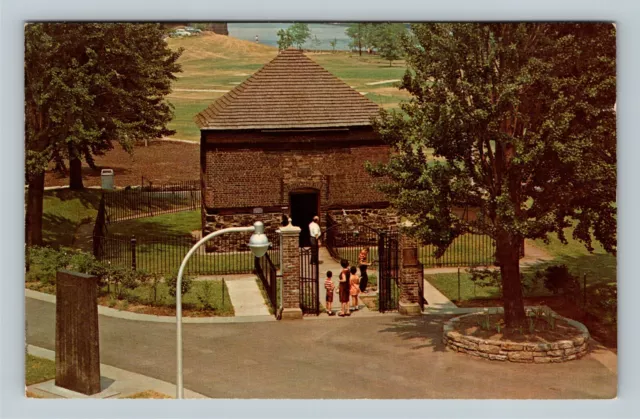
[{"x": 258, "y": 243}]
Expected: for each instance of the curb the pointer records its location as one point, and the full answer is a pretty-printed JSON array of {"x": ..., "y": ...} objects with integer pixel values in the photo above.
[
  {"x": 128, "y": 315},
  {"x": 129, "y": 382}
]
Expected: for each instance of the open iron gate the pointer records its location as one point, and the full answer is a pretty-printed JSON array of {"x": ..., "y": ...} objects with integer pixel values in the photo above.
[
  {"x": 388, "y": 287},
  {"x": 309, "y": 282}
]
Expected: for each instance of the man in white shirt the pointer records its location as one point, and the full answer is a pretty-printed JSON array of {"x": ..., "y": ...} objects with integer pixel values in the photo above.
[{"x": 314, "y": 232}]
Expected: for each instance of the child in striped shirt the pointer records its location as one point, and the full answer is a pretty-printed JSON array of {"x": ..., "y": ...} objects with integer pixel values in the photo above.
[{"x": 329, "y": 287}]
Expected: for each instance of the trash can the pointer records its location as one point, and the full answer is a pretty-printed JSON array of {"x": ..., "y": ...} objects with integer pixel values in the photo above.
[{"x": 107, "y": 178}]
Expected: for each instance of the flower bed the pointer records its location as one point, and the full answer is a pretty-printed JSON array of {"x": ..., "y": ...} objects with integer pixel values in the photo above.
[{"x": 560, "y": 340}]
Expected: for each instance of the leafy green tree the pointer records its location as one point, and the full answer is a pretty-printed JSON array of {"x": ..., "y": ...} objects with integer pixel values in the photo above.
[
  {"x": 88, "y": 85},
  {"x": 521, "y": 120},
  {"x": 285, "y": 40},
  {"x": 361, "y": 35},
  {"x": 300, "y": 33},
  {"x": 333, "y": 44},
  {"x": 387, "y": 39}
]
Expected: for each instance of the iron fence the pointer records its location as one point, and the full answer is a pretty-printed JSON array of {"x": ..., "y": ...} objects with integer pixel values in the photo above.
[
  {"x": 228, "y": 254},
  {"x": 466, "y": 250},
  {"x": 309, "y": 282},
  {"x": 268, "y": 274},
  {"x": 149, "y": 200}
]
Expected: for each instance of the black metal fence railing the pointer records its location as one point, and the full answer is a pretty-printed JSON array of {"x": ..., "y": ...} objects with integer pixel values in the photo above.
[
  {"x": 229, "y": 254},
  {"x": 466, "y": 250},
  {"x": 100, "y": 226},
  {"x": 388, "y": 288},
  {"x": 421, "y": 299},
  {"x": 268, "y": 274},
  {"x": 309, "y": 283},
  {"x": 149, "y": 200}
]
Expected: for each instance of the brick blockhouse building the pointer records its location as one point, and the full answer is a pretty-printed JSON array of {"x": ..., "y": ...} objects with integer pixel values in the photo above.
[{"x": 292, "y": 139}]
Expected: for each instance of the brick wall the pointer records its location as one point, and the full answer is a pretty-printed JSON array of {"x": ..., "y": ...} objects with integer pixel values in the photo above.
[
  {"x": 291, "y": 269},
  {"x": 240, "y": 174}
]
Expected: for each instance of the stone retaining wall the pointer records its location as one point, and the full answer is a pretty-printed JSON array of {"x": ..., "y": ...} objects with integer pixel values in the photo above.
[{"x": 538, "y": 353}]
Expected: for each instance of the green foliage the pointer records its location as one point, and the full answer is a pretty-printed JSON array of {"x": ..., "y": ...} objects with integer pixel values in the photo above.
[
  {"x": 86, "y": 86},
  {"x": 285, "y": 39},
  {"x": 172, "y": 283},
  {"x": 387, "y": 39},
  {"x": 121, "y": 280},
  {"x": 559, "y": 280},
  {"x": 44, "y": 262},
  {"x": 521, "y": 119},
  {"x": 603, "y": 300},
  {"x": 205, "y": 294},
  {"x": 300, "y": 33},
  {"x": 297, "y": 34}
]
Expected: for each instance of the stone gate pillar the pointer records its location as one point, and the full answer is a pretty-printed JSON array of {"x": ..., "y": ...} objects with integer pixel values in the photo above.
[
  {"x": 290, "y": 272},
  {"x": 410, "y": 274}
]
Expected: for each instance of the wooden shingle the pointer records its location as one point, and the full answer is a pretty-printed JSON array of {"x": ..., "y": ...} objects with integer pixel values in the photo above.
[{"x": 291, "y": 91}]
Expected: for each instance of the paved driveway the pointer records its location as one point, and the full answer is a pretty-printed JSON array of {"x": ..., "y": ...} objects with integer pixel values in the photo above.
[{"x": 386, "y": 356}]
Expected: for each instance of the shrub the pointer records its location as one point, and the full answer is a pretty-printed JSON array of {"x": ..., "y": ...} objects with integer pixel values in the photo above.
[
  {"x": 120, "y": 280},
  {"x": 484, "y": 277},
  {"x": 172, "y": 282},
  {"x": 604, "y": 297},
  {"x": 154, "y": 281},
  {"x": 559, "y": 280},
  {"x": 45, "y": 262},
  {"x": 205, "y": 295}
]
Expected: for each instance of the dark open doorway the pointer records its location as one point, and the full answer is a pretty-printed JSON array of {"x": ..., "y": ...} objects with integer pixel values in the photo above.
[{"x": 304, "y": 206}]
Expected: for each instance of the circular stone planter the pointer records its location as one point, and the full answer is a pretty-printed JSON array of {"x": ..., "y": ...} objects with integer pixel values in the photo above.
[{"x": 527, "y": 352}]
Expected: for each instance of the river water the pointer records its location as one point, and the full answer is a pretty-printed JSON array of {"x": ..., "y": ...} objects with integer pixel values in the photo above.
[{"x": 267, "y": 33}]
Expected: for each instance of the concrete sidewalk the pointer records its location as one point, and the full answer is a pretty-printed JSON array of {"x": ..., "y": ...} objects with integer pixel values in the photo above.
[
  {"x": 246, "y": 297},
  {"x": 116, "y": 383}
]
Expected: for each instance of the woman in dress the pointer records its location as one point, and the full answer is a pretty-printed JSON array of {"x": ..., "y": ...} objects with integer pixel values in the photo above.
[
  {"x": 344, "y": 288},
  {"x": 362, "y": 262}
]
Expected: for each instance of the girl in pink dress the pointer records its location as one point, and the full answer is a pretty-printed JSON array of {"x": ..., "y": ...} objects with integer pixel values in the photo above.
[{"x": 354, "y": 281}]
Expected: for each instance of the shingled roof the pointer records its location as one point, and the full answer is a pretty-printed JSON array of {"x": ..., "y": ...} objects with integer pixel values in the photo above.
[{"x": 291, "y": 91}]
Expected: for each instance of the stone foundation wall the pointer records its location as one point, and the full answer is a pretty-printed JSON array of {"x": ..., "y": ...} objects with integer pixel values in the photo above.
[
  {"x": 238, "y": 242},
  {"x": 272, "y": 221},
  {"x": 377, "y": 218},
  {"x": 538, "y": 353}
]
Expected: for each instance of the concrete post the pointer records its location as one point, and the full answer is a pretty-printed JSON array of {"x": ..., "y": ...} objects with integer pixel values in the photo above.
[
  {"x": 77, "y": 338},
  {"x": 290, "y": 272},
  {"x": 409, "y": 275}
]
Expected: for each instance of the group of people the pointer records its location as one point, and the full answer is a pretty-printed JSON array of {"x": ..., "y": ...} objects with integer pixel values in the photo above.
[{"x": 350, "y": 285}]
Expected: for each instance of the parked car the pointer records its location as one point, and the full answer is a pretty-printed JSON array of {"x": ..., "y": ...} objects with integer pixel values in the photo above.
[{"x": 193, "y": 31}]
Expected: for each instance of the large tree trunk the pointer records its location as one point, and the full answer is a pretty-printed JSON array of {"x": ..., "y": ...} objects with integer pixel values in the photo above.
[
  {"x": 508, "y": 254},
  {"x": 75, "y": 171},
  {"x": 33, "y": 222}
]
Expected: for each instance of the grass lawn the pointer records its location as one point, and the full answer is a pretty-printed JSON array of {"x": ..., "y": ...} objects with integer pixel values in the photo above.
[
  {"x": 215, "y": 292},
  {"x": 176, "y": 224},
  {"x": 39, "y": 369},
  {"x": 64, "y": 211},
  {"x": 215, "y": 62},
  {"x": 600, "y": 269}
]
